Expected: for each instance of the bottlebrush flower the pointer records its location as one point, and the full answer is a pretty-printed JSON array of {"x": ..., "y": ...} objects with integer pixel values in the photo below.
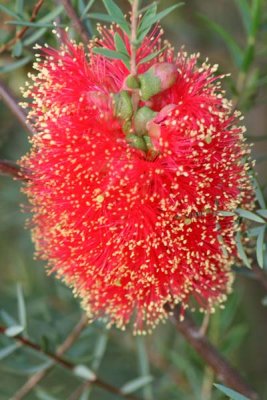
[{"x": 128, "y": 213}]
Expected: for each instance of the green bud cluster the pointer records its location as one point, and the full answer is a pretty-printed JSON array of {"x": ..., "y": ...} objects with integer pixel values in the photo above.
[{"x": 156, "y": 79}]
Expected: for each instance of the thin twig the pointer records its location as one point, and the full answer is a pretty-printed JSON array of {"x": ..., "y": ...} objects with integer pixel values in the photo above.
[
  {"x": 221, "y": 367},
  {"x": 76, "y": 21},
  {"x": 12, "y": 169},
  {"x": 79, "y": 391},
  {"x": 23, "y": 30},
  {"x": 65, "y": 346},
  {"x": 10, "y": 101},
  {"x": 67, "y": 365},
  {"x": 133, "y": 66},
  {"x": 260, "y": 275},
  {"x": 134, "y": 16}
]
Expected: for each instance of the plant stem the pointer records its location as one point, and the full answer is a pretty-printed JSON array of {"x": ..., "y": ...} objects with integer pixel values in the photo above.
[
  {"x": 133, "y": 66},
  {"x": 134, "y": 17},
  {"x": 65, "y": 346},
  {"x": 12, "y": 169},
  {"x": 220, "y": 366},
  {"x": 76, "y": 21},
  {"x": 10, "y": 101},
  {"x": 67, "y": 365},
  {"x": 23, "y": 30}
]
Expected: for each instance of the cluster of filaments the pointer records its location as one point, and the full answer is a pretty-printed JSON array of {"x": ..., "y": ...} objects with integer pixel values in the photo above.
[
  {"x": 132, "y": 106},
  {"x": 126, "y": 190}
]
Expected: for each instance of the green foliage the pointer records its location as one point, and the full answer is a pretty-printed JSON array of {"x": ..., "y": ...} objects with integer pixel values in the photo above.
[
  {"x": 145, "y": 24},
  {"x": 232, "y": 394}
]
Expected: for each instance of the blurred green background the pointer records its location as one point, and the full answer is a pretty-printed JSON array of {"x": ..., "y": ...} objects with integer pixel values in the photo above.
[{"x": 239, "y": 331}]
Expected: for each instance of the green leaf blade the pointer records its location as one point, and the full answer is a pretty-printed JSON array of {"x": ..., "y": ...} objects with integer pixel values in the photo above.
[
  {"x": 233, "y": 47},
  {"x": 17, "y": 64},
  {"x": 260, "y": 247},
  {"x": 230, "y": 392},
  {"x": 120, "y": 45},
  {"x": 241, "y": 251},
  {"x": 250, "y": 215},
  {"x": 116, "y": 15},
  {"x": 136, "y": 384}
]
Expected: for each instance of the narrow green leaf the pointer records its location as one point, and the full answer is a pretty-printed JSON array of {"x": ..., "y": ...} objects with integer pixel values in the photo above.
[
  {"x": 112, "y": 54},
  {"x": 84, "y": 10},
  {"x": 256, "y": 17},
  {"x": 17, "y": 49},
  {"x": 264, "y": 301},
  {"x": 248, "y": 57},
  {"x": 259, "y": 193},
  {"x": 15, "y": 65},
  {"x": 120, "y": 45},
  {"x": 252, "y": 232},
  {"x": 52, "y": 14},
  {"x": 9, "y": 12},
  {"x": 244, "y": 10},
  {"x": 230, "y": 392},
  {"x": 21, "y": 307},
  {"x": 86, "y": 394},
  {"x": 34, "y": 37},
  {"x": 99, "y": 351},
  {"x": 260, "y": 246},
  {"x": 6, "y": 351},
  {"x": 100, "y": 17},
  {"x": 7, "y": 318},
  {"x": 235, "y": 50},
  {"x": 136, "y": 384},
  {"x": 20, "y": 369},
  {"x": 42, "y": 395},
  {"x": 14, "y": 330},
  {"x": 156, "y": 18},
  {"x": 20, "y": 7},
  {"x": 116, "y": 14},
  {"x": 250, "y": 215},
  {"x": 32, "y": 24},
  {"x": 84, "y": 372},
  {"x": 145, "y": 26},
  {"x": 241, "y": 251},
  {"x": 263, "y": 213},
  {"x": 144, "y": 366},
  {"x": 151, "y": 56},
  {"x": 226, "y": 213}
]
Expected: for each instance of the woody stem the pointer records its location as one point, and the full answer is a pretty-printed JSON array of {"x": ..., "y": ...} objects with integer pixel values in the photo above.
[
  {"x": 133, "y": 66},
  {"x": 209, "y": 353},
  {"x": 134, "y": 17}
]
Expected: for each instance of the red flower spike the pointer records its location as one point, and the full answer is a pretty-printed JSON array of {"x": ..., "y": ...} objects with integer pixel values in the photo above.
[{"x": 128, "y": 231}]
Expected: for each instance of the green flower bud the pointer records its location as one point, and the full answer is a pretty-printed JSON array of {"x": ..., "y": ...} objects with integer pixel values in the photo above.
[
  {"x": 159, "y": 77},
  {"x": 132, "y": 82},
  {"x": 141, "y": 118},
  {"x": 136, "y": 141},
  {"x": 151, "y": 150},
  {"x": 127, "y": 126},
  {"x": 123, "y": 105}
]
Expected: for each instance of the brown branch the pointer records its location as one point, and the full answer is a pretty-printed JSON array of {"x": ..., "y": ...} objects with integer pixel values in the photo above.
[
  {"x": 260, "y": 275},
  {"x": 12, "y": 169},
  {"x": 65, "y": 346},
  {"x": 134, "y": 16},
  {"x": 10, "y": 101},
  {"x": 67, "y": 365},
  {"x": 77, "y": 23},
  {"x": 23, "y": 30},
  {"x": 222, "y": 369}
]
